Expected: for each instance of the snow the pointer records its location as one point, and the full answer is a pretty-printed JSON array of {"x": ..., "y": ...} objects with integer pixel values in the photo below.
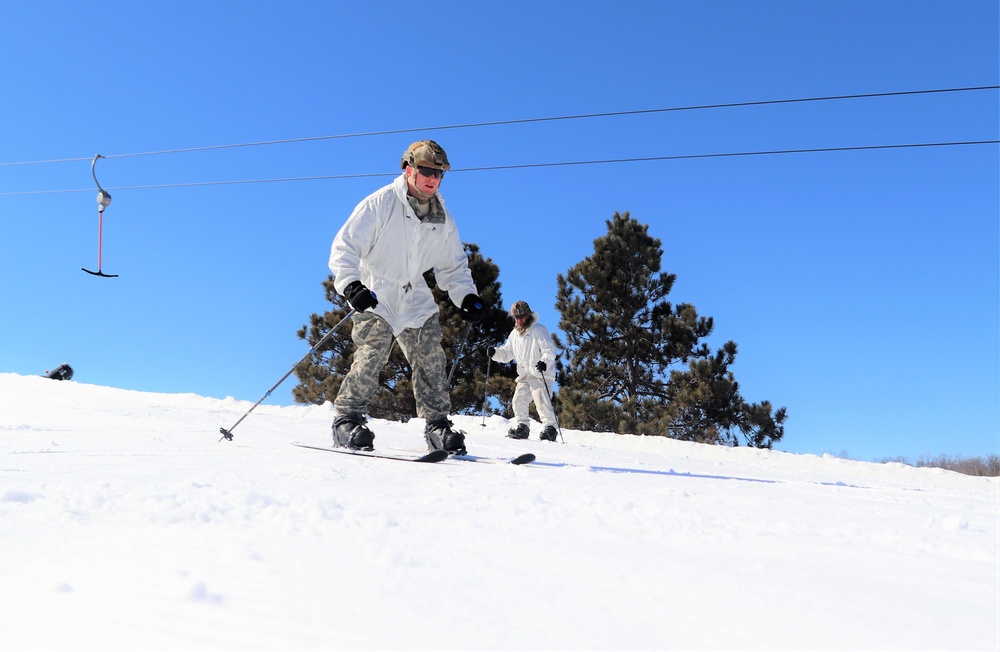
[{"x": 125, "y": 523}]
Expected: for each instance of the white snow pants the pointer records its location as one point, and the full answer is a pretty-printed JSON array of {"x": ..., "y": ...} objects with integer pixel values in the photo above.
[{"x": 532, "y": 388}]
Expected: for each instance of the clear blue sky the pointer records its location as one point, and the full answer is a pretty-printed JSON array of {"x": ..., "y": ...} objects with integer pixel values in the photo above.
[{"x": 861, "y": 286}]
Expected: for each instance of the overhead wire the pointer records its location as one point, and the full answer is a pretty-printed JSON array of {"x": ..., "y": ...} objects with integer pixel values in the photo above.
[
  {"x": 580, "y": 116},
  {"x": 515, "y": 122},
  {"x": 519, "y": 166}
]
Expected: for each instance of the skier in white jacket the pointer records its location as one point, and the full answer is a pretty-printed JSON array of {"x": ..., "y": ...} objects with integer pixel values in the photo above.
[
  {"x": 531, "y": 345},
  {"x": 378, "y": 260}
]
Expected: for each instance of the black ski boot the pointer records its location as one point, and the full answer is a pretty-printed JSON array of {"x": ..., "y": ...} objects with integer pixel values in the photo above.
[
  {"x": 520, "y": 432},
  {"x": 350, "y": 431},
  {"x": 440, "y": 436},
  {"x": 548, "y": 434}
]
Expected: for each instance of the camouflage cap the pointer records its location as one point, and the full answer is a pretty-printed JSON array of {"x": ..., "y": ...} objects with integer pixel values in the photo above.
[
  {"x": 520, "y": 309},
  {"x": 425, "y": 153}
]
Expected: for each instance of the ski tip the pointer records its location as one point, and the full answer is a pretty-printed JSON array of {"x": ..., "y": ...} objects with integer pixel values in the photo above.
[
  {"x": 434, "y": 456},
  {"x": 527, "y": 458}
]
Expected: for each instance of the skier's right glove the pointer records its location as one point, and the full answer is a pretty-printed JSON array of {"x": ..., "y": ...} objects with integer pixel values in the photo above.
[
  {"x": 472, "y": 308},
  {"x": 491, "y": 351},
  {"x": 360, "y": 297}
]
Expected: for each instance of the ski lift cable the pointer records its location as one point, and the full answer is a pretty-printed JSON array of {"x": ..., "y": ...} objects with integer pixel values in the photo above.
[
  {"x": 497, "y": 123},
  {"x": 523, "y": 166}
]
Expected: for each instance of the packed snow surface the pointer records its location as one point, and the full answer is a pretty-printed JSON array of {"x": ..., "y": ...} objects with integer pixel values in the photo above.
[{"x": 125, "y": 523}]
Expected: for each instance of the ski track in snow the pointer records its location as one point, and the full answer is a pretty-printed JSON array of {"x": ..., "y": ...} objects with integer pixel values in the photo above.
[{"x": 127, "y": 524}]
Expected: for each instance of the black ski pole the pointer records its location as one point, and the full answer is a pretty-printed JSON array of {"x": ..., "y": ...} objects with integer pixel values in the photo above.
[
  {"x": 228, "y": 434},
  {"x": 552, "y": 405},
  {"x": 486, "y": 391},
  {"x": 461, "y": 347}
]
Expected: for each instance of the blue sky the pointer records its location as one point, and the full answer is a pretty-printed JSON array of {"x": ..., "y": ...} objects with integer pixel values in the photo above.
[{"x": 861, "y": 286}]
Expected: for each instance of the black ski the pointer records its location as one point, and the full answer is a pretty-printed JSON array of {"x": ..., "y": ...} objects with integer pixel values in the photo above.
[
  {"x": 526, "y": 458},
  {"x": 431, "y": 457}
]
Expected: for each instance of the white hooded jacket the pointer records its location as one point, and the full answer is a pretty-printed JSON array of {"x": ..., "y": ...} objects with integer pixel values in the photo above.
[
  {"x": 386, "y": 246},
  {"x": 534, "y": 344}
]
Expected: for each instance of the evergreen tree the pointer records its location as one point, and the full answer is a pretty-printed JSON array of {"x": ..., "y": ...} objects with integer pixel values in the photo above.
[
  {"x": 321, "y": 375},
  {"x": 624, "y": 340},
  {"x": 704, "y": 405}
]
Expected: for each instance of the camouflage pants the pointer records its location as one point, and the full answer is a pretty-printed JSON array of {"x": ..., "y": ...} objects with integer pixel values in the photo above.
[{"x": 372, "y": 337}]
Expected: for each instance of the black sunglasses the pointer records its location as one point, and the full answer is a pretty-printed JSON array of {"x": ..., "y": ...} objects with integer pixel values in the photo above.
[{"x": 430, "y": 172}]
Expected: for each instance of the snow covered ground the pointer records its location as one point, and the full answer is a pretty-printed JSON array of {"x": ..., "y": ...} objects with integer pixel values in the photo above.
[{"x": 126, "y": 524}]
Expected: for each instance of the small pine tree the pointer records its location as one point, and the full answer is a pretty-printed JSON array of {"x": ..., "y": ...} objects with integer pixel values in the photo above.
[{"x": 705, "y": 405}]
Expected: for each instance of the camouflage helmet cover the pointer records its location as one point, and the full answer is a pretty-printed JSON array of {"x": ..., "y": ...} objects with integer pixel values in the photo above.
[
  {"x": 425, "y": 153},
  {"x": 520, "y": 309}
]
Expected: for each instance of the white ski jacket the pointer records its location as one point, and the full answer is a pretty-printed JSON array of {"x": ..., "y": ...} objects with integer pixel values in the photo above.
[
  {"x": 386, "y": 246},
  {"x": 528, "y": 348}
]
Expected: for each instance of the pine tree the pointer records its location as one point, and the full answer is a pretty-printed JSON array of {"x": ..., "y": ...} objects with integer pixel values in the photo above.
[
  {"x": 624, "y": 341},
  {"x": 321, "y": 375},
  {"x": 705, "y": 405}
]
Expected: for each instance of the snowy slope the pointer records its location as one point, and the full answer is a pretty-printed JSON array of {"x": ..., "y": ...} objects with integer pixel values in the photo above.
[{"x": 126, "y": 524}]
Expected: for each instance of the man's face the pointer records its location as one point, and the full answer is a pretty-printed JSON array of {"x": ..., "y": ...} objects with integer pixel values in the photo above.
[{"x": 424, "y": 179}]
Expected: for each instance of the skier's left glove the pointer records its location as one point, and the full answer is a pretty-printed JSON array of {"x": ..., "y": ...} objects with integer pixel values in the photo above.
[
  {"x": 541, "y": 366},
  {"x": 473, "y": 309}
]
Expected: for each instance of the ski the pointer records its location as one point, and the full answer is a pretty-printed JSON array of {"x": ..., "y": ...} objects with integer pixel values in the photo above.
[
  {"x": 526, "y": 458},
  {"x": 430, "y": 458}
]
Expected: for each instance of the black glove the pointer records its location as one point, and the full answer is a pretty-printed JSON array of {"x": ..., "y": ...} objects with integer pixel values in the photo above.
[
  {"x": 472, "y": 308},
  {"x": 541, "y": 366},
  {"x": 491, "y": 351},
  {"x": 360, "y": 297}
]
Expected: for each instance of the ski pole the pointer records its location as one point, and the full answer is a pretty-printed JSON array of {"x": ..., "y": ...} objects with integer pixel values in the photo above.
[
  {"x": 548, "y": 394},
  {"x": 461, "y": 347},
  {"x": 486, "y": 390},
  {"x": 228, "y": 434}
]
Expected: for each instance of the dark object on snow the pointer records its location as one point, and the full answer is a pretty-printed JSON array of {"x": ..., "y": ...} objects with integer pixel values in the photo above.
[{"x": 62, "y": 372}]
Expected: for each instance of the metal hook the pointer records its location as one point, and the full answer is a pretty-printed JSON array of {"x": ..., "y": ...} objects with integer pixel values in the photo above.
[{"x": 103, "y": 196}]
